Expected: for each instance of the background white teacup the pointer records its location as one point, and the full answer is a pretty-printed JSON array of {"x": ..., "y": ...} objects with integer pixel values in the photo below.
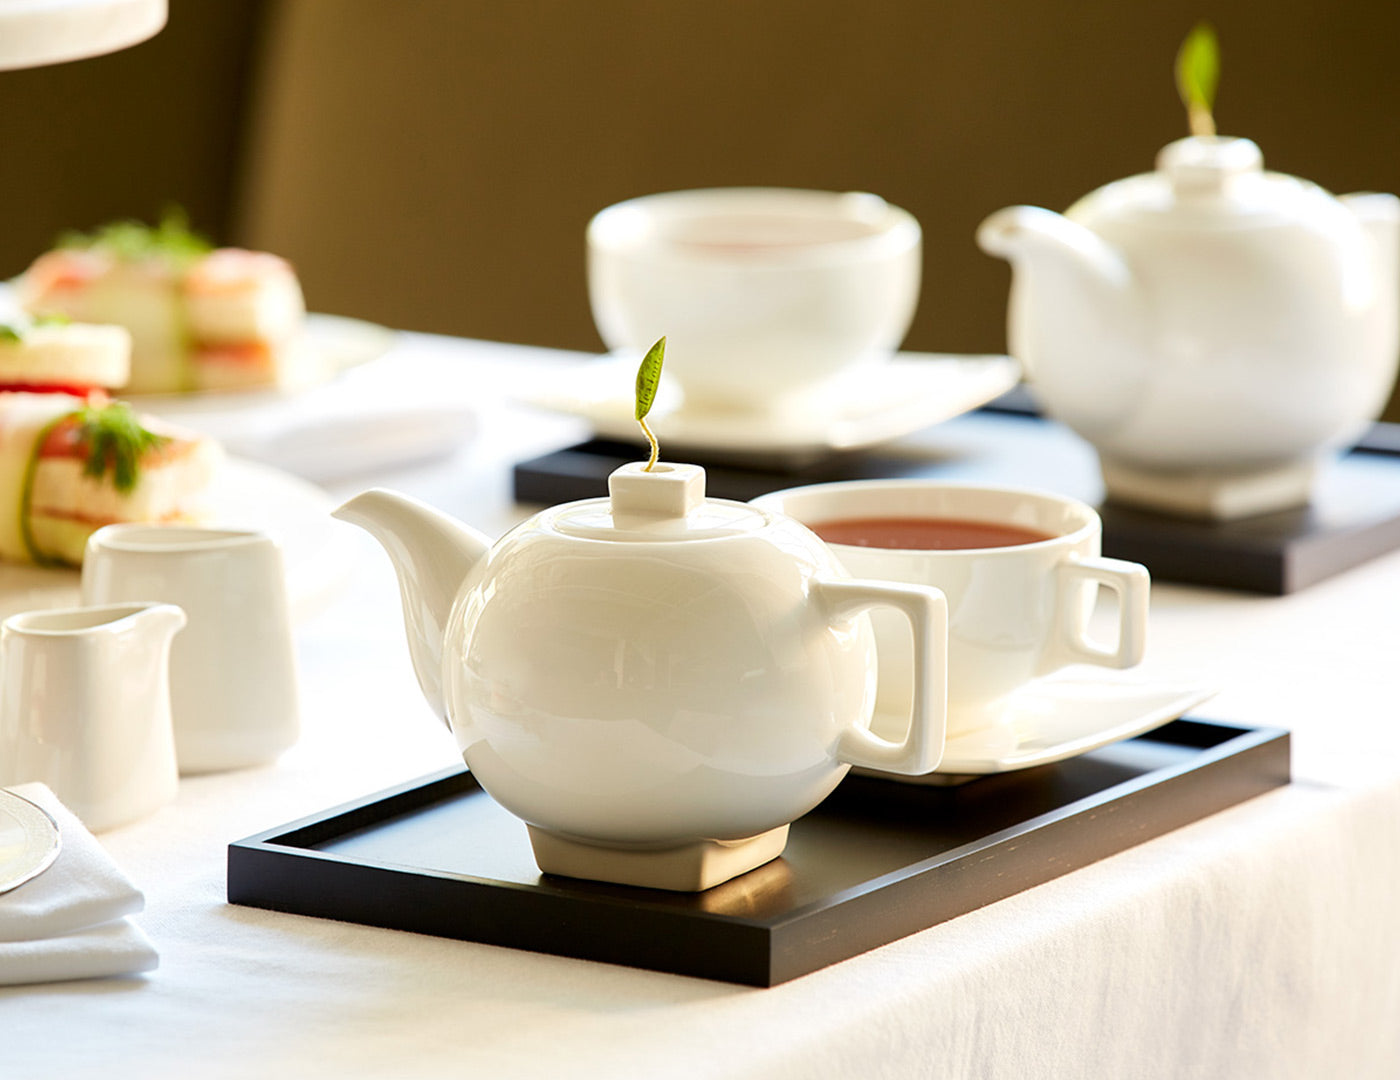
[
  {"x": 765, "y": 295},
  {"x": 1014, "y": 613}
]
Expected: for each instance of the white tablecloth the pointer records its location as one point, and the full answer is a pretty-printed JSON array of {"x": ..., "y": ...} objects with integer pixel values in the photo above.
[{"x": 1263, "y": 941}]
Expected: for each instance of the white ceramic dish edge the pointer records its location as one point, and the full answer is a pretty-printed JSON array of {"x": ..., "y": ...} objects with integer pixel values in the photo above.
[
  {"x": 40, "y": 844},
  {"x": 1124, "y": 708}
]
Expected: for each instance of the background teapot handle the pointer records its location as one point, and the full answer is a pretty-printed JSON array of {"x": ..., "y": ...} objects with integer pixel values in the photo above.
[{"x": 926, "y": 608}]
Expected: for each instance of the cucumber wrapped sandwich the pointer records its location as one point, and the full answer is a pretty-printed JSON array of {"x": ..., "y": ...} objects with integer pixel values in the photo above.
[
  {"x": 72, "y": 460},
  {"x": 70, "y": 465}
]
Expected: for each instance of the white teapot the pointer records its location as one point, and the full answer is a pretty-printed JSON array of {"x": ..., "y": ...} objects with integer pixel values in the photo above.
[
  {"x": 1214, "y": 330},
  {"x": 656, "y": 682}
]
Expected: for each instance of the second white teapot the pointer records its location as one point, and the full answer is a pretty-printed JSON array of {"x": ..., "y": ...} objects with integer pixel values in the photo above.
[{"x": 1213, "y": 329}]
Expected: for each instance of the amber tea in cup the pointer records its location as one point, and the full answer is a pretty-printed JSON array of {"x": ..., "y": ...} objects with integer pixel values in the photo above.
[{"x": 926, "y": 533}]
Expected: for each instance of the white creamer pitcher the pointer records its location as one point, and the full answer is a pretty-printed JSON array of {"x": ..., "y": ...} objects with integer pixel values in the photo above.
[{"x": 85, "y": 707}]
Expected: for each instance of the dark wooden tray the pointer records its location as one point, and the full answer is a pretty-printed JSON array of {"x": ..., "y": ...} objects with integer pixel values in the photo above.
[
  {"x": 1354, "y": 518},
  {"x": 876, "y": 861}
]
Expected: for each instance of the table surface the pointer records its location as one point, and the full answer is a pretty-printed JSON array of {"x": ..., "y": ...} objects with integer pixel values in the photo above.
[{"x": 1258, "y": 942}]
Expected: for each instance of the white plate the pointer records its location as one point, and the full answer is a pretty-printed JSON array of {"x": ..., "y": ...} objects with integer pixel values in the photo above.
[
  {"x": 318, "y": 554},
  {"x": 1059, "y": 717},
  {"x": 339, "y": 344},
  {"x": 29, "y": 840},
  {"x": 911, "y": 392}
]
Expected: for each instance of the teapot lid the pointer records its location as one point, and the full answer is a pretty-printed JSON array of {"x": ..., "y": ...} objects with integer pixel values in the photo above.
[
  {"x": 1207, "y": 163},
  {"x": 1205, "y": 181},
  {"x": 665, "y": 503}
]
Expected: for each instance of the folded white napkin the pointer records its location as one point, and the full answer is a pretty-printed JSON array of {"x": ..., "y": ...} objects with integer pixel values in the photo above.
[
  {"x": 70, "y": 921},
  {"x": 383, "y": 416},
  {"x": 344, "y": 438}
]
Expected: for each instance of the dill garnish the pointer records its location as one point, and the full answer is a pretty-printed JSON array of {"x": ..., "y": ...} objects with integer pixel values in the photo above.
[
  {"x": 115, "y": 442},
  {"x": 172, "y": 238}
]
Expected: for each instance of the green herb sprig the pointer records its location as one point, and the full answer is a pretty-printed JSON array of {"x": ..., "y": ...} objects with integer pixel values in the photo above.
[
  {"x": 171, "y": 238},
  {"x": 115, "y": 442},
  {"x": 1197, "y": 76},
  {"x": 648, "y": 379}
]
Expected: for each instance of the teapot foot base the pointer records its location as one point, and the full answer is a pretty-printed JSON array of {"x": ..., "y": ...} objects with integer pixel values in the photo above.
[
  {"x": 1217, "y": 496},
  {"x": 691, "y": 867}
]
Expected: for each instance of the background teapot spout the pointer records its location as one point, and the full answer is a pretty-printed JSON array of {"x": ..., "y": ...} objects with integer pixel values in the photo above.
[
  {"x": 1070, "y": 263},
  {"x": 1075, "y": 316},
  {"x": 432, "y": 554}
]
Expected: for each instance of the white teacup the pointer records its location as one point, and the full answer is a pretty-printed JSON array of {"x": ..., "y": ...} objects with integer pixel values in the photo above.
[
  {"x": 766, "y": 295},
  {"x": 233, "y": 686},
  {"x": 1015, "y": 612}
]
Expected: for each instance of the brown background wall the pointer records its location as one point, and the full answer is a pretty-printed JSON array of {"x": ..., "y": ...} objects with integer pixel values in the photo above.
[{"x": 431, "y": 164}]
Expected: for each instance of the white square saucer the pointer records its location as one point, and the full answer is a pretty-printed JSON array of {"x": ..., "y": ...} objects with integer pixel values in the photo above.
[
  {"x": 1058, "y": 717},
  {"x": 907, "y": 393}
]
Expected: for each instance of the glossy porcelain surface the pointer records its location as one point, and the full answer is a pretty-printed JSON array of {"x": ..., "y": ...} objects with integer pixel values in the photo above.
[
  {"x": 1211, "y": 328},
  {"x": 655, "y": 668},
  {"x": 1014, "y": 613},
  {"x": 233, "y": 687},
  {"x": 85, "y": 707},
  {"x": 763, "y": 293}
]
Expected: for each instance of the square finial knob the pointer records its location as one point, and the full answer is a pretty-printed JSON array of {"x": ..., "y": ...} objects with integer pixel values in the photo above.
[{"x": 665, "y": 491}]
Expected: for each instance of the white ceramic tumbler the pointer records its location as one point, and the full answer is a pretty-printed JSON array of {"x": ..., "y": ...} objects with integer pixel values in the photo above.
[
  {"x": 233, "y": 689},
  {"x": 85, "y": 708}
]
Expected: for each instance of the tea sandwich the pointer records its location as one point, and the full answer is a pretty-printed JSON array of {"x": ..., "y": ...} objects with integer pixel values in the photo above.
[
  {"x": 200, "y": 318},
  {"x": 56, "y": 355},
  {"x": 73, "y": 460}
]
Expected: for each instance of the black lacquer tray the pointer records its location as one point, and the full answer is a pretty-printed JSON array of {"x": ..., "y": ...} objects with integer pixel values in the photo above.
[{"x": 876, "y": 861}]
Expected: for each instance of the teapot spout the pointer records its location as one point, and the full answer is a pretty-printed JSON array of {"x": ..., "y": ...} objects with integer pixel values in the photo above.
[
  {"x": 1069, "y": 262},
  {"x": 1071, "y": 291},
  {"x": 432, "y": 555}
]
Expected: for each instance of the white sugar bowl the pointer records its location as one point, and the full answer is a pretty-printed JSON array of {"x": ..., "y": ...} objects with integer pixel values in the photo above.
[{"x": 656, "y": 682}]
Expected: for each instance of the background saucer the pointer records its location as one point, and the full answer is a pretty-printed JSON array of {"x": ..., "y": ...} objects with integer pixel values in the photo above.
[{"x": 910, "y": 392}]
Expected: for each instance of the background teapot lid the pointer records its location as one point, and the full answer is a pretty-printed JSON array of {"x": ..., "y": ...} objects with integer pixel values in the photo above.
[
  {"x": 1208, "y": 162},
  {"x": 664, "y": 504}
]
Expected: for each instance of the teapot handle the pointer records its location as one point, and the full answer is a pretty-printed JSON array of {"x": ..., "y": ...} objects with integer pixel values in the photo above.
[{"x": 926, "y": 608}]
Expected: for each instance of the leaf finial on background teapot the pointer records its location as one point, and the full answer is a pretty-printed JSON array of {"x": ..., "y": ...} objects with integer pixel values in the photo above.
[
  {"x": 1197, "y": 76},
  {"x": 1214, "y": 330}
]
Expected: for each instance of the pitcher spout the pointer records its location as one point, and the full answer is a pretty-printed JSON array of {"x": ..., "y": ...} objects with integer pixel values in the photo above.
[{"x": 432, "y": 554}]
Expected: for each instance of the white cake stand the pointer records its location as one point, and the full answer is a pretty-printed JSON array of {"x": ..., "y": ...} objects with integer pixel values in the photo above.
[{"x": 38, "y": 32}]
